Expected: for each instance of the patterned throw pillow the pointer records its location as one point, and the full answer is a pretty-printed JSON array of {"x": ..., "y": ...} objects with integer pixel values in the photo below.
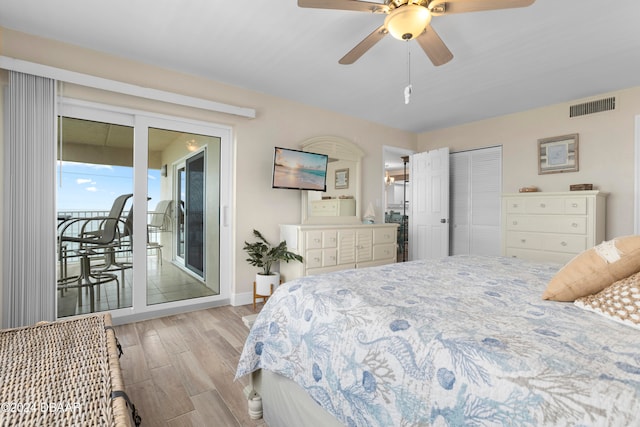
[
  {"x": 620, "y": 301},
  {"x": 595, "y": 269}
]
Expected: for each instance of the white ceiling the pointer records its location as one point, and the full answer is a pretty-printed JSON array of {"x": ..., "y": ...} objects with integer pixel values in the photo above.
[{"x": 504, "y": 61}]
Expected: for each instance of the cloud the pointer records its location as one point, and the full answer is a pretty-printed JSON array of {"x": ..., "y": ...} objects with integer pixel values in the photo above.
[
  {"x": 151, "y": 177},
  {"x": 68, "y": 164},
  {"x": 92, "y": 189},
  {"x": 83, "y": 181}
]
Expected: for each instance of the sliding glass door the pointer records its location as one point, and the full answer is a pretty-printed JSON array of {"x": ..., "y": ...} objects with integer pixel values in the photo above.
[
  {"x": 185, "y": 243},
  {"x": 166, "y": 252},
  {"x": 95, "y": 187}
]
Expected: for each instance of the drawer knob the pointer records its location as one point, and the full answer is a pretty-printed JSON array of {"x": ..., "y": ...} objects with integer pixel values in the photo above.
[
  {"x": 515, "y": 222},
  {"x": 542, "y": 205},
  {"x": 515, "y": 205},
  {"x": 575, "y": 205},
  {"x": 523, "y": 240},
  {"x": 316, "y": 240},
  {"x": 317, "y": 259},
  {"x": 574, "y": 224},
  {"x": 563, "y": 243}
]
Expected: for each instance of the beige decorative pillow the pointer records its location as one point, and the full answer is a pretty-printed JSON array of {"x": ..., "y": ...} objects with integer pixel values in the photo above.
[
  {"x": 620, "y": 301},
  {"x": 595, "y": 269}
]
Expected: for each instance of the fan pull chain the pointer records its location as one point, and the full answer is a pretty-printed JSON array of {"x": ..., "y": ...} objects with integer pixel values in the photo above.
[{"x": 407, "y": 90}]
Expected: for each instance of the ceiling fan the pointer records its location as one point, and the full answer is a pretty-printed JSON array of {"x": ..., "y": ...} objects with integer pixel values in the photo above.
[{"x": 410, "y": 19}]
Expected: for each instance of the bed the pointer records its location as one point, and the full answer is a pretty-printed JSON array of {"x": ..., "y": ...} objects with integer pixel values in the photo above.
[{"x": 464, "y": 340}]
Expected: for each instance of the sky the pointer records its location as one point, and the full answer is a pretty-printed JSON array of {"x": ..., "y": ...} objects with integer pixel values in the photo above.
[{"x": 84, "y": 186}]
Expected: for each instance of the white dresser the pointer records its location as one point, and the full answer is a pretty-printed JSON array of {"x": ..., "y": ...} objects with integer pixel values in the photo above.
[
  {"x": 552, "y": 226},
  {"x": 328, "y": 248}
]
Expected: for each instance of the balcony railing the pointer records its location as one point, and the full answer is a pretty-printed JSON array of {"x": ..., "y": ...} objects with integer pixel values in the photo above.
[{"x": 74, "y": 228}]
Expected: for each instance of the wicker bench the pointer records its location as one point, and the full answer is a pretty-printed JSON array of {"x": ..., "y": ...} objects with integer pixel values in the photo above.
[{"x": 64, "y": 373}]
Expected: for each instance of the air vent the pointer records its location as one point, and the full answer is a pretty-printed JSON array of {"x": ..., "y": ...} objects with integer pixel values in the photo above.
[{"x": 605, "y": 104}]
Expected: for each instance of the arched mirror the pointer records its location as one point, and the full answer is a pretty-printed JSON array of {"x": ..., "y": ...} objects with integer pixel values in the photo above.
[{"x": 341, "y": 203}]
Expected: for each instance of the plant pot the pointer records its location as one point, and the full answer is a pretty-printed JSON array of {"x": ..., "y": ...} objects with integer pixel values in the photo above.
[{"x": 265, "y": 284}]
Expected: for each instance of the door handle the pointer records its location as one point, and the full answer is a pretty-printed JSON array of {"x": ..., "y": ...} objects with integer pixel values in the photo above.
[{"x": 443, "y": 220}]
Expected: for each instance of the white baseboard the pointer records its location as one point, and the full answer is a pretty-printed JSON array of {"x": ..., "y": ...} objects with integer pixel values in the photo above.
[{"x": 242, "y": 299}]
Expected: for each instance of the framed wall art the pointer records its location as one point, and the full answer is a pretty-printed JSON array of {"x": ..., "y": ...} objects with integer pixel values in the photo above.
[
  {"x": 342, "y": 179},
  {"x": 558, "y": 154}
]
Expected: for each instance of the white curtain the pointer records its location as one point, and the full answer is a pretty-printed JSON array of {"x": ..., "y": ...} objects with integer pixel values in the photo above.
[{"x": 29, "y": 245}]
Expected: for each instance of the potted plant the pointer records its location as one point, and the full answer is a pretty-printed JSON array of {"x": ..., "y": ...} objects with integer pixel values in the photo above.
[{"x": 262, "y": 254}]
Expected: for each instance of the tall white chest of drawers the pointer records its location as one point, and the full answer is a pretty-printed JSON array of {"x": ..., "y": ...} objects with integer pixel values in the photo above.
[
  {"x": 552, "y": 226},
  {"x": 326, "y": 248}
]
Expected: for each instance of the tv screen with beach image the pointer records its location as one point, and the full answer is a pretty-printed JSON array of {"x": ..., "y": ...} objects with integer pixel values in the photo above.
[{"x": 299, "y": 170}]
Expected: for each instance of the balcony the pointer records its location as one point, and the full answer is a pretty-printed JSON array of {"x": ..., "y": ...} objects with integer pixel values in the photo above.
[{"x": 167, "y": 279}]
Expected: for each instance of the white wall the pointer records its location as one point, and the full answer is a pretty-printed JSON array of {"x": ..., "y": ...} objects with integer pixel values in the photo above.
[
  {"x": 606, "y": 150},
  {"x": 278, "y": 122}
]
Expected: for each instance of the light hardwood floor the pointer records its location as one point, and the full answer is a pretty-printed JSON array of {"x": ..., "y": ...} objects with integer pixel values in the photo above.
[{"x": 179, "y": 370}]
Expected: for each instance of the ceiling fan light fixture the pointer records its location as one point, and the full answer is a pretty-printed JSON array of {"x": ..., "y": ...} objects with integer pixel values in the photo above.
[{"x": 407, "y": 22}]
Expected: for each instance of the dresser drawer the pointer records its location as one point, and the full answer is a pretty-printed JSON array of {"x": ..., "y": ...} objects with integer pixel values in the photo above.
[
  {"x": 313, "y": 240},
  {"x": 547, "y": 205},
  {"x": 321, "y": 239},
  {"x": 329, "y": 257},
  {"x": 329, "y": 239},
  {"x": 333, "y": 207},
  {"x": 544, "y": 205},
  {"x": 383, "y": 236},
  {"x": 524, "y": 240},
  {"x": 313, "y": 258},
  {"x": 576, "y": 205},
  {"x": 515, "y": 205},
  {"x": 316, "y": 258},
  {"x": 324, "y": 207},
  {"x": 570, "y": 244},
  {"x": 386, "y": 251},
  {"x": 547, "y": 224},
  {"x": 542, "y": 256}
]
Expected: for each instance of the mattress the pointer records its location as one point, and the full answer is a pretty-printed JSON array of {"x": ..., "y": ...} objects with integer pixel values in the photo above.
[{"x": 464, "y": 340}]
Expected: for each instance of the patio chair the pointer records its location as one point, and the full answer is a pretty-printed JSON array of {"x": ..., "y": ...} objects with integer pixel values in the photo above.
[
  {"x": 122, "y": 244},
  {"x": 159, "y": 221},
  {"x": 95, "y": 236},
  {"x": 160, "y": 218}
]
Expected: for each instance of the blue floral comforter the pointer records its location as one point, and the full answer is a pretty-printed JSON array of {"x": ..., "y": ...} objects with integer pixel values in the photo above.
[{"x": 461, "y": 341}]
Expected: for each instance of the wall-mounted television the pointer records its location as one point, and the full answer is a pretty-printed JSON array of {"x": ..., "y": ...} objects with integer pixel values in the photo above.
[{"x": 299, "y": 170}]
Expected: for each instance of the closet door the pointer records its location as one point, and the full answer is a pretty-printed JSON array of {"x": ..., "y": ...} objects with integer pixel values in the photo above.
[
  {"x": 459, "y": 167},
  {"x": 476, "y": 185}
]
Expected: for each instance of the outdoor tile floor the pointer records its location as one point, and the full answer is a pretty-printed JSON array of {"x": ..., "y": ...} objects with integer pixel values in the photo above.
[{"x": 165, "y": 283}]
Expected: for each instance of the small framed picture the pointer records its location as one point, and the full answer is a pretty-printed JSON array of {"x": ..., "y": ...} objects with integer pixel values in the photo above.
[
  {"x": 558, "y": 154},
  {"x": 342, "y": 179}
]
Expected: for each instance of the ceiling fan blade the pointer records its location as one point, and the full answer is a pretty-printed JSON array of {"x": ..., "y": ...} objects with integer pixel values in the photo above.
[
  {"x": 434, "y": 47},
  {"x": 362, "y": 47},
  {"x": 439, "y": 7},
  {"x": 358, "y": 6}
]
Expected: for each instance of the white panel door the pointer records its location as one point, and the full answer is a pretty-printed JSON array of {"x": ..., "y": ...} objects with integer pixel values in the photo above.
[
  {"x": 429, "y": 220},
  {"x": 476, "y": 186}
]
